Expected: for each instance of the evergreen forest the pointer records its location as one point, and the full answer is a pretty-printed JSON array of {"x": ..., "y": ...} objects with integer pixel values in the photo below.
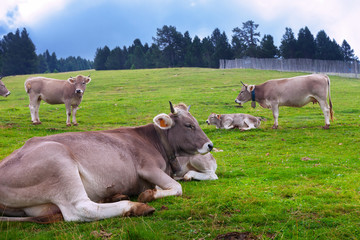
[{"x": 171, "y": 48}]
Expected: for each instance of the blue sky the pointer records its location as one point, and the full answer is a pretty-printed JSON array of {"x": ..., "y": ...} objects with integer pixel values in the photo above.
[{"x": 79, "y": 27}]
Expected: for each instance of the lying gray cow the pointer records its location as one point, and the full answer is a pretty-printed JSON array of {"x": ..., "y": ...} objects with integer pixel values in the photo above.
[
  {"x": 55, "y": 91},
  {"x": 197, "y": 167},
  {"x": 292, "y": 92},
  {"x": 65, "y": 175},
  {"x": 237, "y": 120},
  {"x": 3, "y": 90}
]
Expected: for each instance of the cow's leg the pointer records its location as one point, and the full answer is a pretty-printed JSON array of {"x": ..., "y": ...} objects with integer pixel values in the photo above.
[
  {"x": 275, "y": 110},
  {"x": 74, "y": 109},
  {"x": 68, "y": 114},
  {"x": 169, "y": 187},
  {"x": 206, "y": 175},
  {"x": 228, "y": 125},
  {"x": 248, "y": 125},
  {"x": 326, "y": 110},
  {"x": 34, "y": 106}
]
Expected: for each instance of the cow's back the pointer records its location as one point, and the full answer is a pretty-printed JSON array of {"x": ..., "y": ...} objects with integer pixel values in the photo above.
[{"x": 296, "y": 91}]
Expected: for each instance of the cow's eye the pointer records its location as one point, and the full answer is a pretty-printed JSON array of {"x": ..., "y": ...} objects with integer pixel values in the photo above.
[
  {"x": 84, "y": 83},
  {"x": 190, "y": 126}
]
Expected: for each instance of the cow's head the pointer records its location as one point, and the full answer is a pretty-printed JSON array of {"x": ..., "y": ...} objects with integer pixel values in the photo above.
[
  {"x": 213, "y": 119},
  {"x": 3, "y": 90},
  {"x": 80, "y": 83},
  {"x": 183, "y": 131},
  {"x": 245, "y": 93}
]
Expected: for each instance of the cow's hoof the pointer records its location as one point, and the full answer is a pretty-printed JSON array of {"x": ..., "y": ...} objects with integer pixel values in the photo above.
[
  {"x": 327, "y": 126},
  {"x": 140, "y": 209},
  {"x": 75, "y": 124},
  {"x": 274, "y": 127},
  {"x": 147, "y": 196},
  {"x": 36, "y": 123},
  {"x": 68, "y": 124}
]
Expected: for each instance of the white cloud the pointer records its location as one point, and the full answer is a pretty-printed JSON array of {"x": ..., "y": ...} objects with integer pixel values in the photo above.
[{"x": 19, "y": 13}]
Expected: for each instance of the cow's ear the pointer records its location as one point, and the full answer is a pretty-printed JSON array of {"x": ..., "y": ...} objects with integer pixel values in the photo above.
[
  {"x": 251, "y": 88},
  {"x": 71, "y": 80},
  {"x": 163, "y": 121},
  {"x": 87, "y": 80}
]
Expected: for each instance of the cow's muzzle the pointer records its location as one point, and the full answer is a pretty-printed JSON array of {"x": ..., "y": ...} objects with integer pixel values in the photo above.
[
  {"x": 207, "y": 147},
  {"x": 238, "y": 101},
  {"x": 79, "y": 91},
  {"x": 207, "y": 121},
  {"x": 7, "y": 94}
]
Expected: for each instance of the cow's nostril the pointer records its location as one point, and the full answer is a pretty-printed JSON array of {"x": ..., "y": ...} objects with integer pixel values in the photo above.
[{"x": 210, "y": 146}]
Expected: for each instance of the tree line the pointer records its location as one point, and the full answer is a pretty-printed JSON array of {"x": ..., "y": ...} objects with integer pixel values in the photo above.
[
  {"x": 18, "y": 56},
  {"x": 171, "y": 48}
]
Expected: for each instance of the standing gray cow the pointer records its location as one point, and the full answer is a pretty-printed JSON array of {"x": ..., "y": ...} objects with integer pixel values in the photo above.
[
  {"x": 65, "y": 175},
  {"x": 3, "y": 90},
  {"x": 198, "y": 167},
  {"x": 293, "y": 92},
  {"x": 55, "y": 91},
  {"x": 236, "y": 120}
]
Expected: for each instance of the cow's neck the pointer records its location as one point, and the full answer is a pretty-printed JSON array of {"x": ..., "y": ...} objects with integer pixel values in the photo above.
[
  {"x": 170, "y": 153},
  {"x": 258, "y": 93}
]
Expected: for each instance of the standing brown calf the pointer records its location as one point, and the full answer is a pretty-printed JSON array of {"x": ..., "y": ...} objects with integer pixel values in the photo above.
[{"x": 55, "y": 91}]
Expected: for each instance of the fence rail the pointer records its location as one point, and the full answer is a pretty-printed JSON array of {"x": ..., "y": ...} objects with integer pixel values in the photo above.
[{"x": 339, "y": 68}]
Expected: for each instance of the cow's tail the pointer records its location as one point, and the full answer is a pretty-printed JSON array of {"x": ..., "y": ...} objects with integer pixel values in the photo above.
[
  {"x": 27, "y": 86},
  {"x": 330, "y": 103}
]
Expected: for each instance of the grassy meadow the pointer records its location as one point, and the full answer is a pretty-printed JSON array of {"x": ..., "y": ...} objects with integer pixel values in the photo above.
[{"x": 296, "y": 182}]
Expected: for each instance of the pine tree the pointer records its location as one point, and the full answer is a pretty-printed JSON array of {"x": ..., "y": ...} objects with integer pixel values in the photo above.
[
  {"x": 288, "y": 44},
  {"x": 347, "y": 52},
  {"x": 306, "y": 46},
  {"x": 248, "y": 36},
  {"x": 100, "y": 58},
  {"x": 267, "y": 48},
  {"x": 18, "y": 54},
  {"x": 222, "y": 48}
]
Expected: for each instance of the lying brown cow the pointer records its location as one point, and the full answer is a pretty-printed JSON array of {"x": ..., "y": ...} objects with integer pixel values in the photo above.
[
  {"x": 65, "y": 175},
  {"x": 3, "y": 90},
  {"x": 237, "y": 120},
  {"x": 292, "y": 92},
  {"x": 197, "y": 167},
  {"x": 55, "y": 91}
]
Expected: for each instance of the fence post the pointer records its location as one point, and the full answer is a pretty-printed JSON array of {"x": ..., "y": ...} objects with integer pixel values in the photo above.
[{"x": 356, "y": 68}]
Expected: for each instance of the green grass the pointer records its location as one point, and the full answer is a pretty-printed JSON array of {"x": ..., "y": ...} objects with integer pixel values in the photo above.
[{"x": 296, "y": 182}]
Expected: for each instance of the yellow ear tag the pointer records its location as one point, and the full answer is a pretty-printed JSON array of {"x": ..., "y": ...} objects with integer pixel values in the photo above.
[{"x": 162, "y": 123}]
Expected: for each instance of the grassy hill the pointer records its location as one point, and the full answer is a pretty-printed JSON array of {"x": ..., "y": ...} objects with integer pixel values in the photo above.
[{"x": 296, "y": 182}]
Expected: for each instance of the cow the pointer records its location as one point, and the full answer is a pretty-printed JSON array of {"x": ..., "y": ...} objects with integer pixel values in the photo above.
[
  {"x": 64, "y": 176},
  {"x": 236, "y": 120},
  {"x": 293, "y": 92},
  {"x": 3, "y": 90},
  {"x": 197, "y": 167},
  {"x": 55, "y": 91}
]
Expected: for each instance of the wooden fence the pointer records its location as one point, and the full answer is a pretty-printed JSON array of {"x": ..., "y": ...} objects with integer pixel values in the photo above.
[{"x": 339, "y": 68}]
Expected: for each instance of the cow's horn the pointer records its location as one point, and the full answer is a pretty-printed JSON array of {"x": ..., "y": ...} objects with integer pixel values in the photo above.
[
  {"x": 89, "y": 75},
  {"x": 242, "y": 83},
  {"x": 173, "y": 111},
  {"x": 189, "y": 108}
]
